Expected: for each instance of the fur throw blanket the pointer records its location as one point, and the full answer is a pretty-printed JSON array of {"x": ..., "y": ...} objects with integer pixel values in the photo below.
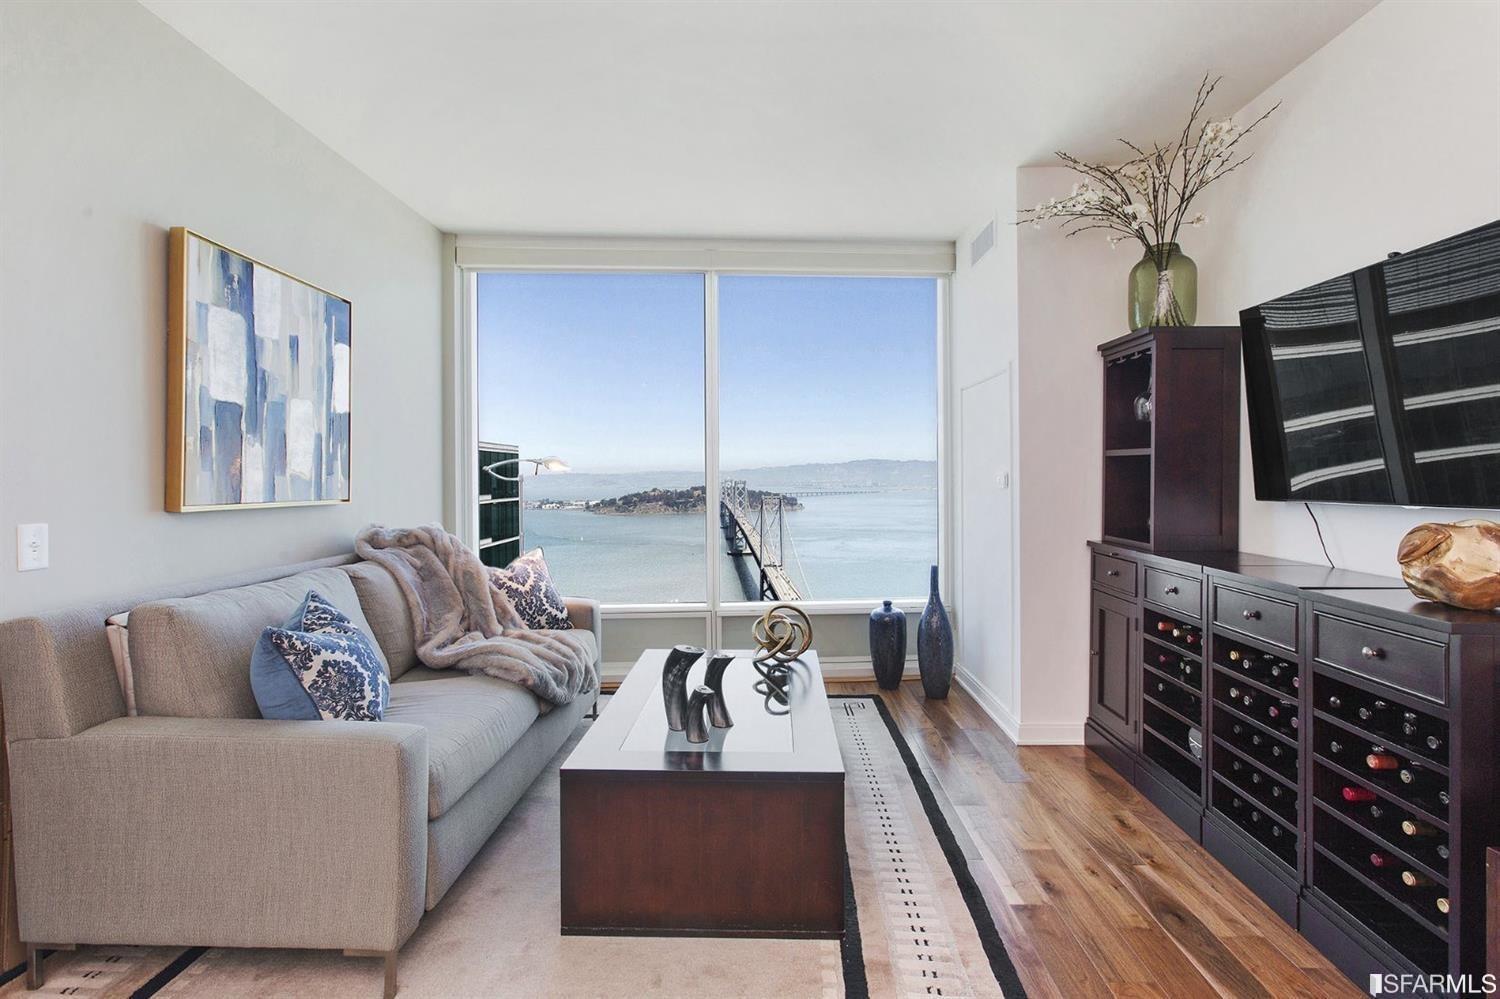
[{"x": 462, "y": 621}]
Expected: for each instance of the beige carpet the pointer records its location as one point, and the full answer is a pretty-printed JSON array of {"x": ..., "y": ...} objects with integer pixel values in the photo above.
[{"x": 495, "y": 934}]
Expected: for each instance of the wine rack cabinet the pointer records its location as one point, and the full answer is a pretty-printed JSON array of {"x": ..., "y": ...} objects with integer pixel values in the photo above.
[{"x": 1328, "y": 737}]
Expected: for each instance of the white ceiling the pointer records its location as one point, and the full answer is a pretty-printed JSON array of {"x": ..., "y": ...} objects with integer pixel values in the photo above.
[{"x": 810, "y": 119}]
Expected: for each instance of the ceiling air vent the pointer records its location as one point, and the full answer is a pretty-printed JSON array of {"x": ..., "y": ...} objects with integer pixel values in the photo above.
[{"x": 982, "y": 243}]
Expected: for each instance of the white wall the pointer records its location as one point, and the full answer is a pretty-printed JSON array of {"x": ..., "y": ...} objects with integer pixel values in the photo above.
[
  {"x": 116, "y": 128},
  {"x": 982, "y": 574},
  {"x": 1071, "y": 299},
  {"x": 1387, "y": 138}
]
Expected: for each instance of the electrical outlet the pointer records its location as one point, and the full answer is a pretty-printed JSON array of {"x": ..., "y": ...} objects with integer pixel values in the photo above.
[{"x": 31, "y": 547}]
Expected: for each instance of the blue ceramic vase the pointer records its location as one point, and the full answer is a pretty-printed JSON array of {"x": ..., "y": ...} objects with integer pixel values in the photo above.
[
  {"x": 888, "y": 645},
  {"x": 935, "y": 645}
]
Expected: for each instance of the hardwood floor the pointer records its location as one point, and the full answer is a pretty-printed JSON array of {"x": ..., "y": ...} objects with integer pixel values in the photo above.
[{"x": 1095, "y": 892}]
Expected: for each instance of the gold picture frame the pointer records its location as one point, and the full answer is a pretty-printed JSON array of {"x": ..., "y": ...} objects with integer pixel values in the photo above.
[{"x": 259, "y": 383}]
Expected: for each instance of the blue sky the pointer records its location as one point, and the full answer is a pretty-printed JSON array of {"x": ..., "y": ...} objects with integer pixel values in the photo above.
[{"x": 606, "y": 370}]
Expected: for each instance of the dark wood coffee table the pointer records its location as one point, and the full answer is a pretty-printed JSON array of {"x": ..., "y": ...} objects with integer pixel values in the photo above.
[{"x": 742, "y": 836}]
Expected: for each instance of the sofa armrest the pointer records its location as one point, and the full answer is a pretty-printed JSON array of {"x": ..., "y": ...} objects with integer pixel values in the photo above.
[
  {"x": 585, "y": 614},
  {"x": 222, "y": 832}
]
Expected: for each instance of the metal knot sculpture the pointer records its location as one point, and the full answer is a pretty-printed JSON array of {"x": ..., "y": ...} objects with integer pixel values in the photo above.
[{"x": 781, "y": 635}]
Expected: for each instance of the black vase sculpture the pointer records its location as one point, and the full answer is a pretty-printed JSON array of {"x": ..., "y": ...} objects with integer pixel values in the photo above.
[
  {"x": 713, "y": 678},
  {"x": 935, "y": 645},
  {"x": 702, "y": 700},
  {"x": 888, "y": 644},
  {"x": 674, "y": 684}
]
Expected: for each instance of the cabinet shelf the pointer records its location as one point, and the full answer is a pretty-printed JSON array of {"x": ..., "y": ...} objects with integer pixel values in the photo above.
[
  {"x": 1240, "y": 676},
  {"x": 1127, "y": 452},
  {"x": 1224, "y": 744},
  {"x": 1380, "y": 840},
  {"x": 1271, "y": 811},
  {"x": 1370, "y": 884},
  {"x": 1389, "y": 794},
  {"x": 1398, "y": 748},
  {"x": 1170, "y": 743},
  {"x": 1191, "y": 723},
  {"x": 1185, "y": 687},
  {"x": 1173, "y": 647},
  {"x": 1284, "y": 739}
]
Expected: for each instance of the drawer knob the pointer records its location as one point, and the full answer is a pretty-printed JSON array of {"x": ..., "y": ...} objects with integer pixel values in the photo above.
[
  {"x": 1372, "y": 652},
  {"x": 1112, "y": 572},
  {"x": 1170, "y": 590},
  {"x": 1250, "y": 615}
]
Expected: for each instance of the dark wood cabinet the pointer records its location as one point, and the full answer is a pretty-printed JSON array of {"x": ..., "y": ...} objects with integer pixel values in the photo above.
[
  {"x": 1331, "y": 738},
  {"x": 1172, "y": 438},
  {"x": 1112, "y": 693}
]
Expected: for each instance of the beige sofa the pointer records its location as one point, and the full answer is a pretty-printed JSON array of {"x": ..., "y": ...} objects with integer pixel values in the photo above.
[{"x": 200, "y": 823}]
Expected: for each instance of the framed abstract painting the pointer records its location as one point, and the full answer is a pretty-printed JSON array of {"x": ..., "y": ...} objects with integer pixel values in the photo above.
[{"x": 258, "y": 379}]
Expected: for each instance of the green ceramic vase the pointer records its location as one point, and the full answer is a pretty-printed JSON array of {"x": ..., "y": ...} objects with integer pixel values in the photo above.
[{"x": 1164, "y": 289}]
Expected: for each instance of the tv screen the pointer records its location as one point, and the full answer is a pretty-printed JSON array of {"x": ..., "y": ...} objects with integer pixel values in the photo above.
[{"x": 1382, "y": 386}]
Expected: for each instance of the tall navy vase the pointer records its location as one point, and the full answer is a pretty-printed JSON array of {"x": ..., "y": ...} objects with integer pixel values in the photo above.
[
  {"x": 935, "y": 645},
  {"x": 888, "y": 644}
]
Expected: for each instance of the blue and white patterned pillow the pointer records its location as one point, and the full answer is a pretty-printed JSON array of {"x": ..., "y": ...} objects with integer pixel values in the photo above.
[
  {"x": 319, "y": 665},
  {"x": 527, "y": 584}
]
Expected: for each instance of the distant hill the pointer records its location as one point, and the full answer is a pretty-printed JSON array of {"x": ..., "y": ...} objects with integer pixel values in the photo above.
[{"x": 865, "y": 473}]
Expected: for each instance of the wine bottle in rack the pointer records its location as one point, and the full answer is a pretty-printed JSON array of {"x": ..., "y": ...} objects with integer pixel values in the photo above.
[
  {"x": 1418, "y": 830},
  {"x": 1375, "y": 714},
  {"x": 1356, "y": 795},
  {"x": 1409, "y": 724},
  {"x": 1379, "y": 759},
  {"x": 1442, "y": 905},
  {"x": 1382, "y": 859},
  {"x": 1415, "y": 879},
  {"x": 1412, "y": 776},
  {"x": 1441, "y": 850},
  {"x": 1377, "y": 813},
  {"x": 1335, "y": 748},
  {"x": 1164, "y": 625},
  {"x": 1434, "y": 742},
  {"x": 1335, "y": 703}
]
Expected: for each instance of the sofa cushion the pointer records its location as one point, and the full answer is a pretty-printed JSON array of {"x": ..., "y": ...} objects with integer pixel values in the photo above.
[
  {"x": 190, "y": 656},
  {"x": 527, "y": 584},
  {"x": 386, "y": 609},
  {"x": 319, "y": 665},
  {"x": 471, "y": 722}
]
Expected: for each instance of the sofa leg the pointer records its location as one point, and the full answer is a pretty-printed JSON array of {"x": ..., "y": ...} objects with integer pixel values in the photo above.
[
  {"x": 390, "y": 966},
  {"x": 34, "y": 976},
  {"x": 34, "y": 958}
]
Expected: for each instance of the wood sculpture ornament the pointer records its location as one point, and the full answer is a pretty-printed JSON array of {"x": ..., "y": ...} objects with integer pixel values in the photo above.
[{"x": 1457, "y": 564}]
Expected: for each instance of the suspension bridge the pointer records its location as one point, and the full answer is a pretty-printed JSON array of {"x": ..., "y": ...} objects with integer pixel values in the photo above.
[{"x": 755, "y": 531}]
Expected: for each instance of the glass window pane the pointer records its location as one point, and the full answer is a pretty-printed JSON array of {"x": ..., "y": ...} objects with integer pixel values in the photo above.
[
  {"x": 604, "y": 371},
  {"x": 828, "y": 436}
]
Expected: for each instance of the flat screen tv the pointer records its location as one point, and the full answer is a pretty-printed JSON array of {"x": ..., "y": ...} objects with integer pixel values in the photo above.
[{"x": 1382, "y": 386}]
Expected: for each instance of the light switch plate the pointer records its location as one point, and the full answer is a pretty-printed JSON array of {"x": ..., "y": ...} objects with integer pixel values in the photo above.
[{"x": 31, "y": 547}]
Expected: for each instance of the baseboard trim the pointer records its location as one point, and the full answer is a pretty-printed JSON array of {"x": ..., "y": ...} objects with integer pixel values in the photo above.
[
  {"x": 989, "y": 703},
  {"x": 1051, "y": 734},
  {"x": 1019, "y": 732}
]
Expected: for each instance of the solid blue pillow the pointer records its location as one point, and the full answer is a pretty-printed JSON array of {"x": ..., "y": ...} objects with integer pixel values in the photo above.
[{"x": 319, "y": 665}]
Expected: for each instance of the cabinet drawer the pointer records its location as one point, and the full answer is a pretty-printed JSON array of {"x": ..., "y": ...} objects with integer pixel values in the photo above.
[
  {"x": 1403, "y": 661},
  {"x": 1115, "y": 573},
  {"x": 1183, "y": 594},
  {"x": 1274, "y": 621}
]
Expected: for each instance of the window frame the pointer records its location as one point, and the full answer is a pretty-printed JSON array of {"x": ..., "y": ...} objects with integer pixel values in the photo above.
[{"x": 468, "y": 256}]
